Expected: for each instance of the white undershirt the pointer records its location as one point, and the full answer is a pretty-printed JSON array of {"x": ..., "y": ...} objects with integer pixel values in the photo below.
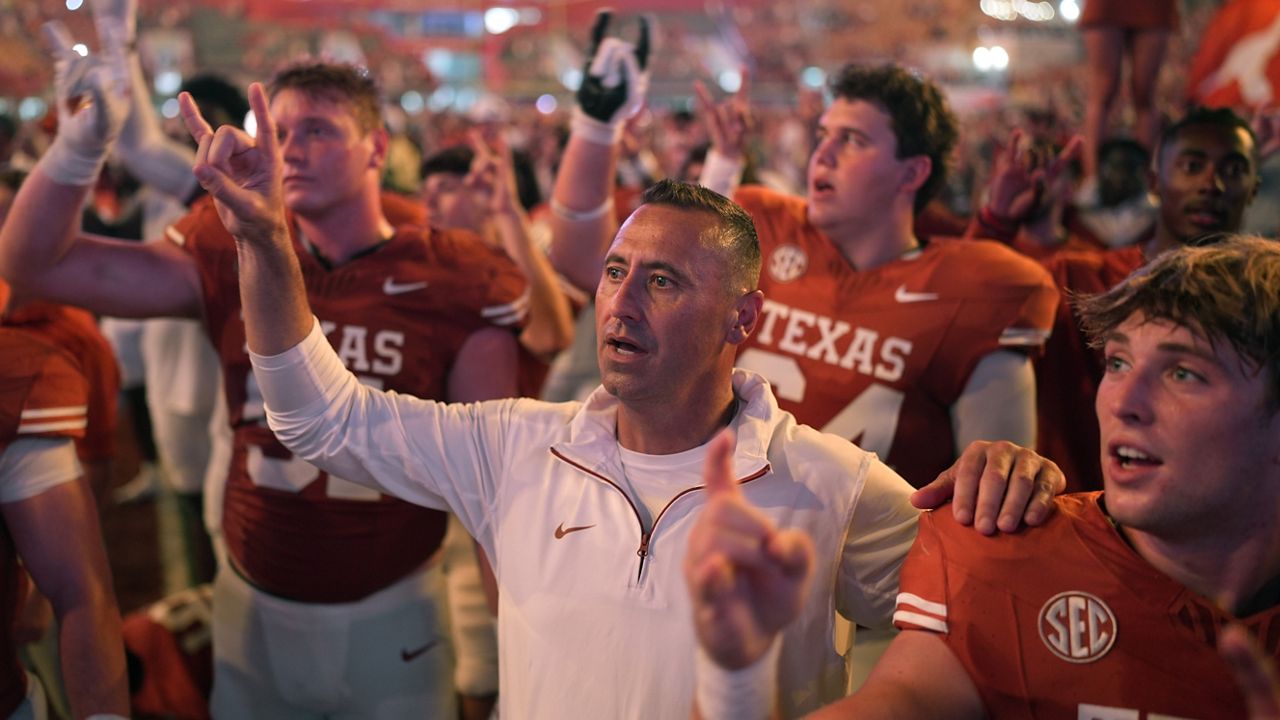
[{"x": 652, "y": 480}]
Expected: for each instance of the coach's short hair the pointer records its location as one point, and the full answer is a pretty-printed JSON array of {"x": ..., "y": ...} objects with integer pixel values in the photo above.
[{"x": 738, "y": 232}]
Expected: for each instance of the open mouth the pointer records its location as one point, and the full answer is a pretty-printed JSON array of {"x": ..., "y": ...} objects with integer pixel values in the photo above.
[
  {"x": 1206, "y": 217},
  {"x": 623, "y": 347},
  {"x": 1130, "y": 457},
  {"x": 821, "y": 187}
]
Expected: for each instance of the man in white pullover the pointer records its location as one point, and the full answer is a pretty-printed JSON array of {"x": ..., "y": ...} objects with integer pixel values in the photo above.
[{"x": 585, "y": 509}]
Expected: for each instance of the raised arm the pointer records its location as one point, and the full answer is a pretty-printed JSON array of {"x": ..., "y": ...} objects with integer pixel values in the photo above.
[
  {"x": 43, "y": 254},
  {"x": 151, "y": 156},
  {"x": 583, "y": 219},
  {"x": 727, "y": 123},
  {"x": 549, "y": 327}
]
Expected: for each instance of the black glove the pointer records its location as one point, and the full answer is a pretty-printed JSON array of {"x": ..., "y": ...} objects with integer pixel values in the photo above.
[{"x": 615, "y": 81}]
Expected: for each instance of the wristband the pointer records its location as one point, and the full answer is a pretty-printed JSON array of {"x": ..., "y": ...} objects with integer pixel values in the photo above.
[
  {"x": 999, "y": 223},
  {"x": 594, "y": 131},
  {"x": 66, "y": 165},
  {"x": 746, "y": 694},
  {"x": 595, "y": 213},
  {"x": 721, "y": 172}
]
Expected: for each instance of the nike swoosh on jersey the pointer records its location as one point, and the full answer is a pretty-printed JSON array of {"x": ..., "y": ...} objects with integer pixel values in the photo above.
[
  {"x": 391, "y": 287},
  {"x": 903, "y": 295},
  {"x": 562, "y": 530},
  {"x": 411, "y": 655}
]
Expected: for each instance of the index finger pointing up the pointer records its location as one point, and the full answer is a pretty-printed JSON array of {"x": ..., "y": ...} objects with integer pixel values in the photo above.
[
  {"x": 717, "y": 474},
  {"x": 191, "y": 117},
  {"x": 265, "y": 138},
  {"x": 744, "y": 86}
]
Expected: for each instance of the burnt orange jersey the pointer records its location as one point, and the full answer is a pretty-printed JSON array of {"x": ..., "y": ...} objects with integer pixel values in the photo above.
[
  {"x": 42, "y": 395},
  {"x": 75, "y": 331},
  {"x": 1068, "y": 373},
  {"x": 172, "y": 642},
  {"x": 397, "y": 316},
  {"x": 880, "y": 356},
  {"x": 1067, "y": 621},
  {"x": 403, "y": 210},
  {"x": 42, "y": 391}
]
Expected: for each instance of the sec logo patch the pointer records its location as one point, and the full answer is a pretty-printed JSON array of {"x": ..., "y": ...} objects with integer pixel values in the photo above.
[
  {"x": 1077, "y": 627},
  {"x": 787, "y": 263}
]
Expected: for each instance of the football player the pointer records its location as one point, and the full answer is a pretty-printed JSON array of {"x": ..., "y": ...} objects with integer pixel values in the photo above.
[
  {"x": 1115, "y": 607},
  {"x": 910, "y": 349},
  {"x": 50, "y": 530},
  {"x": 328, "y": 602}
]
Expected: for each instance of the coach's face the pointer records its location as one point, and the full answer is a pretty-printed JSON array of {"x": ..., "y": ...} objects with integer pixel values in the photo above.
[
  {"x": 664, "y": 306},
  {"x": 1187, "y": 437}
]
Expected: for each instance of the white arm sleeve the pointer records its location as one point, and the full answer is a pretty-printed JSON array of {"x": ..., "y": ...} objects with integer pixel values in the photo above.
[
  {"x": 880, "y": 533},
  {"x": 998, "y": 402},
  {"x": 443, "y": 456},
  {"x": 150, "y": 155},
  {"x": 721, "y": 173},
  {"x": 29, "y": 466}
]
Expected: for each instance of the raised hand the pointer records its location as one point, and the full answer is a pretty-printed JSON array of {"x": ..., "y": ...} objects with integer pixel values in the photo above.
[
  {"x": 995, "y": 485},
  {"x": 1265, "y": 123},
  {"x": 615, "y": 82},
  {"x": 747, "y": 579},
  {"x": 91, "y": 111},
  {"x": 1021, "y": 175},
  {"x": 728, "y": 121},
  {"x": 1255, "y": 672},
  {"x": 240, "y": 172},
  {"x": 492, "y": 174}
]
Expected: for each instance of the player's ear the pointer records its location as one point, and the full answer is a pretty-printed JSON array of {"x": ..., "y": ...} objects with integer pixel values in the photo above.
[
  {"x": 916, "y": 172},
  {"x": 381, "y": 143},
  {"x": 746, "y": 316}
]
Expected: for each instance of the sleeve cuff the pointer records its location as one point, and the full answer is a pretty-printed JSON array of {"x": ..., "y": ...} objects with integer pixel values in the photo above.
[
  {"x": 304, "y": 374},
  {"x": 293, "y": 355},
  {"x": 721, "y": 173}
]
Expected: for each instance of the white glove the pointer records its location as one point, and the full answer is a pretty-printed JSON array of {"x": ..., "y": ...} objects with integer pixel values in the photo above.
[
  {"x": 116, "y": 24},
  {"x": 91, "y": 112}
]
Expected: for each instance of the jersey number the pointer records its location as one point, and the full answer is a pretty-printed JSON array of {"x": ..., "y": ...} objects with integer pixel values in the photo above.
[
  {"x": 293, "y": 474},
  {"x": 870, "y": 420}
]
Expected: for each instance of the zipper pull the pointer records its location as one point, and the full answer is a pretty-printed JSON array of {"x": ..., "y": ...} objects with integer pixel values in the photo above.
[{"x": 642, "y": 553}]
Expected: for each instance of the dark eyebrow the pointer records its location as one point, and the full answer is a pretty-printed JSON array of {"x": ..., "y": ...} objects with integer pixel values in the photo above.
[
  {"x": 1115, "y": 336},
  {"x": 1174, "y": 348},
  {"x": 659, "y": 265},
  {"x": 862, "y": 135},
  {"x": 1192, "y": 350}
]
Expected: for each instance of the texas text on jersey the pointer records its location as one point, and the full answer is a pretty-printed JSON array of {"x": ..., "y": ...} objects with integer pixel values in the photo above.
[{"x": 880, "y": 356}]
